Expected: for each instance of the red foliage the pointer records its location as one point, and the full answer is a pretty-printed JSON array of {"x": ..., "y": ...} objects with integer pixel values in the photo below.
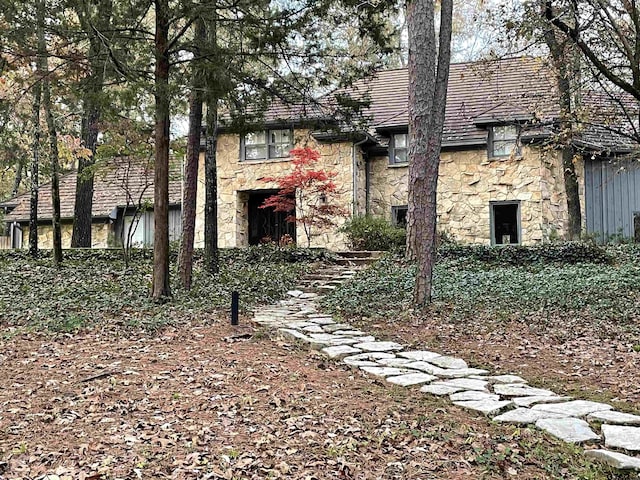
[{"x": 312, "y": 192}]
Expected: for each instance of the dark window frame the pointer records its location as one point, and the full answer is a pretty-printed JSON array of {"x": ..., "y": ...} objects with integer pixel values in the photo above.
[
  {"x": 492, "y": 216},
  {"x": 268, "y": 145},
  {"x": 393, "y": 149},
  {"x": 517, "y": 150},
  {"x": 394, "y": 215}
]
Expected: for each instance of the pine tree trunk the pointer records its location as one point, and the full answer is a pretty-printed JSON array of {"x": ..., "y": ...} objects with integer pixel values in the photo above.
[
  {"x": 211, "y": 253},
  {"x": 191, "y": 167},
  {"x": 161, "y": 289},
  {"x": 561, "y": 62},
  {"x": 212, "y": 256},
  {"x": 35, "y": 167},
  {"x": 92, "y": 91},
  {"x": 82, "y": 218},
  {"x": 55, "y": 174},
  {"x": 428, "y": 81},
  {"x": 43, "y": 66}
]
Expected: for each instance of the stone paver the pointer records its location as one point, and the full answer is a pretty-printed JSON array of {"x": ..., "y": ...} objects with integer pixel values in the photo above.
[
  {"x": 524, "y": 416},
  {"x": 439, "y": 389},
  {"x": 615, "y": 418},
  {"x": 620, "y": 436},
  {"x": 488, "y": 407},
  {"x": 469, "y": 395},
  {"x": 386, "y": 371},
  {"x": 372, "y": 346},
  {"x": 421, "y": 355},
  {"x": 615, "y": 459},
  {"x": 574, "y": 408},
  {"x": 449, "y": 362},
  {"x": 411, "y": 379},
  {"x": 340, "y": 351},
  {"x": 520, "y": 390},
  {"x": 571, "y": 430},
  {"x": 507, "y": 398},
  {"x": 528, "y": 401},
  {"x": 466, "y": 384}
]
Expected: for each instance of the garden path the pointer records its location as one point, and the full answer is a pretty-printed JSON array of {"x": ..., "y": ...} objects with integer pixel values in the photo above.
[{"x": 608, "y": 435}]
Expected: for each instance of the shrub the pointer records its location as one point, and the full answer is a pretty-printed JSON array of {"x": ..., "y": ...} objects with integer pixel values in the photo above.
[
  {"x": 373, "y": 233},
  {"x": 559, "y": 253}
]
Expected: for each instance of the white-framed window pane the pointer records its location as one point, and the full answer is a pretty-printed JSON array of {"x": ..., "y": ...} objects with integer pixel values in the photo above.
[
  {"x": 503, "y": 148},
  {"x": 279, "y": 151},
  {"x": 400, "y": 140},
  {"x": 505, "y": 132},
  {"x": 280, "y": 137},
  {"x": 400, "y": 155},
  {"x": 255, "y": 152},
  {"x": 255, "y": 138}
]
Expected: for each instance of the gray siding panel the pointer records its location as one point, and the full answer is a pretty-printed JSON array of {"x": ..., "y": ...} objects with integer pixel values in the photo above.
[{"x": 611, "y": 197}]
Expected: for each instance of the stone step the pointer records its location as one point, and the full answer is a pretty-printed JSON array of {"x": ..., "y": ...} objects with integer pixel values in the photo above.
[
  {"x": 355, "y": 261},
  {"x": 360, "y": 254}
]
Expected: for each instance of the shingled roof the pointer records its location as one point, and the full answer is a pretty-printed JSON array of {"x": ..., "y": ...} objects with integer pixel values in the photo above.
[{"x": 112, "y": 186}]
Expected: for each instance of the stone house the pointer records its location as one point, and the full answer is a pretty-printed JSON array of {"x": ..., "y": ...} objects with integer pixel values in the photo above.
[
  {"x": 122, "y": 208},
  {"x": 500, "y": 181}
]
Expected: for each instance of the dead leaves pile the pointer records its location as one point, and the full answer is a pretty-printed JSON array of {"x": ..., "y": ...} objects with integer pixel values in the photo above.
[{"x": 208, "y": 402}]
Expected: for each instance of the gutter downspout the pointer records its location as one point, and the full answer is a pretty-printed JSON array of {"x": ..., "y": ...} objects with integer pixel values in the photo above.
[
  {"x": 354, "y": 159},
  {"x": 367, "y": 187}
]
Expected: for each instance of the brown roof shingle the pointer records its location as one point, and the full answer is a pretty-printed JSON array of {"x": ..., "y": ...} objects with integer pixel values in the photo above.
[{"x": 115, "y": 185}]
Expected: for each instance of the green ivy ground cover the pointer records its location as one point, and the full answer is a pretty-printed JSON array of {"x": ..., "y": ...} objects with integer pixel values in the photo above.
[
  {"x": 466, "y": 287},
  {"x": 95, "y": 287}
]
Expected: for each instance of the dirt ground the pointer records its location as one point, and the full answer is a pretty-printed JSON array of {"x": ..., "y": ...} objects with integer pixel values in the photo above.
[{"x": 210, "y": 401}]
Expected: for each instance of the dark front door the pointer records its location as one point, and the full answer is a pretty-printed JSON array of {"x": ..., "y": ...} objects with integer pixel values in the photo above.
[{"x": 265, "y": 224}]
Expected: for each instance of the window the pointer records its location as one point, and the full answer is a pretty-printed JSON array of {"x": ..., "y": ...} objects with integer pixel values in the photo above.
[
  {"x": 505, "y": 222},
  {"x": 267, "y": 144},
  {"x": 398, "y": 148},
  {"x": 399, "y": 216},
  {"x": 636, "y": 227},
  {"x": 503, "y": 140}
]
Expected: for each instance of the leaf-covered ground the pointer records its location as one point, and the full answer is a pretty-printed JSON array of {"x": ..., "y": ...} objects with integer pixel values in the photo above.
[
  {"x": 97, "y": 288},
  {"x": 574, "y": 328},
  {"x": 100, "y": 383},
  {"x": 209, "y": 401}
]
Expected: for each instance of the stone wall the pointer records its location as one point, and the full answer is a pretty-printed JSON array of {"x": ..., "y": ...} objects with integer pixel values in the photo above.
[
  {"x": 237, "y": 178},
  {"x": 100, "y": 233},
  {"x": 469, "y": 180}
]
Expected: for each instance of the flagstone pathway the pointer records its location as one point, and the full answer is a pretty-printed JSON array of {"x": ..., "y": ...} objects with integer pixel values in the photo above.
[{"x": 613, "y": 437}]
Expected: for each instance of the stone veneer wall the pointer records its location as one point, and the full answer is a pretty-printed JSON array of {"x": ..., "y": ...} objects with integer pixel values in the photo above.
[
  {"x": 236, "y": 178},
  {"x": 468, "y": 181},
  {"x": 99, "y": 235}
]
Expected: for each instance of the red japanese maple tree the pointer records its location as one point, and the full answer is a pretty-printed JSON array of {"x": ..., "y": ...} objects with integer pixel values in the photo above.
[{"x": 307, "y": 194}]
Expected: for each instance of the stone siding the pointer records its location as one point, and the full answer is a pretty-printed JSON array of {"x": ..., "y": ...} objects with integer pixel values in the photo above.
[
  {"x": 468, "y": 181},
  {"x": 100, "y": 235},
  {"x": 237, "y": 178}
]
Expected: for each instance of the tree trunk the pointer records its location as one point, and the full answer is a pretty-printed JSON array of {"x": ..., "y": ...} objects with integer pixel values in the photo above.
[
  {"x": 35, "y": 164},
  {"x": 428, "y": 81},
  {"x": 211, "y": 253},
  {"x": 161, "y": 289},
  {"x": 212, "y": 256},
  {"x": 191, "y": 167},
  {"x": 92, "y": 90},
  {"x": 43, "y": 66},
  {"x": 82, "y": 218},
  {"x": 18, "y": 180},
  {"x": 562, "y": 64}
]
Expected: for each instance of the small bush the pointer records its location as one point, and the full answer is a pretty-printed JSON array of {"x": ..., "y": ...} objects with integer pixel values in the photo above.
[
  {"x": 559, "y": 253},
  {"x": 373, "y": 233}
]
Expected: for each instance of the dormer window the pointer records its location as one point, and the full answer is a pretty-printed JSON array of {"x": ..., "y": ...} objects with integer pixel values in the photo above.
[
  {"x": 398, "y": 148},
  {"x": 267, "y": 144},
  {"x": 504, "y": 140}
]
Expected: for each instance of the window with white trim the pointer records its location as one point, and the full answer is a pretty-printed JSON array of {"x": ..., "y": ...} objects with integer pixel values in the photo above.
[
  {"x": 504, "y": 140},
  {"x": 267, "y": 144},
  {"x": 399, "y": 148}
]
